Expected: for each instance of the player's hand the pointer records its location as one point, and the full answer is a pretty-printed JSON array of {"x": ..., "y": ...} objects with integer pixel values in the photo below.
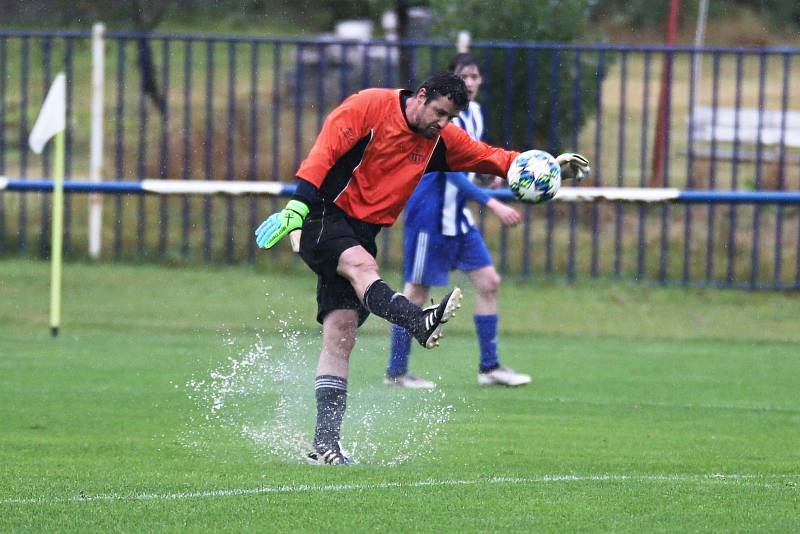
[
  {"x": 279, "y": 224},
  {"x": 487, "y": 180},
  {"x": 507, "y": 215},
  {"x": 573, "y": 166}
]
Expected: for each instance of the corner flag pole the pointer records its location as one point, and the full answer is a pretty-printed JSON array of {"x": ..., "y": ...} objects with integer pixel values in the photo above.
[
  {"x": 51, "y": 122},
  {"x": 57, "y": 233}
]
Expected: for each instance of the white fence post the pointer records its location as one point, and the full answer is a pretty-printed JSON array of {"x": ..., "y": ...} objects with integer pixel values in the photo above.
[{"x": 96, "y": 143}]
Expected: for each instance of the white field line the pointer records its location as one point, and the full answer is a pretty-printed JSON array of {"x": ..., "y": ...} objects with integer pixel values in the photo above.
[
  {"x": 741, "y": 479},
  {"x": 649, "y": 404}
]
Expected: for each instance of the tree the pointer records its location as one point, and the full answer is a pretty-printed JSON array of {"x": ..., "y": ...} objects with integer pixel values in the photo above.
[{"x": 537, "y": 83}]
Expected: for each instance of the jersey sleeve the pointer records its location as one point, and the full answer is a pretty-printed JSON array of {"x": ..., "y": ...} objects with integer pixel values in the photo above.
[
  {"x": 463, "y": 153},
  {"x": 342, "y": 129},
  {"x": 467, "y": 188}
]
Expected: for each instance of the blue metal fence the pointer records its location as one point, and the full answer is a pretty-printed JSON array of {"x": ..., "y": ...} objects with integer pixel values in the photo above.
[{"x": 225, "y": 108}]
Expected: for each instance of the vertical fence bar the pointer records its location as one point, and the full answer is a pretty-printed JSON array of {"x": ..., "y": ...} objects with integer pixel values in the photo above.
[
  {"x": 119, "y": 145},
  {"x": 527, "y": 223},
  {"x": 276, "y": 117},
  {"x": 68, "y": 139},
  {"x": 276, "y": 110},
  {"x": 778, "y": 258},
  {"x": 734, "y": 173},
  {"x": 391, "y": 51},
  {"x": 577, "y": 121},
  {"x": 386, "y": 234},
  {"x": 141, "y": 161},
  {"x": 321, "y": 76},
  {"x": 712, "y": 170},
  {"x": 434, "y": 64},
  {"x": 665, "y": 211},
  {"x": 509, "y": 95},
  {"x": 23, "y": 140},
  {"x": 642, "y": 240},
  {"x": 687, "y": 220},
  {"x": 298, "y": 105},
  {"x": 412, "y": 67},
  {"x": 598, "y": 147},
  {"x": 3, "y": 67},
  {"x": 365, "y": 71},
  {"x": 553, "y": 143},
  {"x": 252, "y": 173},
  {"x": 187, "y": 144},
  {"x": 623, "y": 74},
  {"x": 755, "y": 253},
  {"x": 209, "y": 150},
  {"x": 163, "y": 163},
  {"x": 230, "y": 149},
  {"x": 47, "y": 75},
  {"x": 343, "y": 72},
  {"x": 489, "y": 122}
]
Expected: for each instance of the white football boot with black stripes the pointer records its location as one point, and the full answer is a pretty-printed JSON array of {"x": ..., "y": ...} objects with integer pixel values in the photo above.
[
  {"x": 429, "y": 328},
  {"x": 328, "y": 455}
]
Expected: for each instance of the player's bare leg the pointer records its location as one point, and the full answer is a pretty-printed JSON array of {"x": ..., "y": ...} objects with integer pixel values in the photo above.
[
  {"x": 338, "y": 338},
  {"x": 360, "y": 269},
  {"x": 487, "y": 282}
]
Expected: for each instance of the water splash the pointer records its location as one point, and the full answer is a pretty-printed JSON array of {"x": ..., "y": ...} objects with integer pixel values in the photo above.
[{"x": 263, "y": 395}]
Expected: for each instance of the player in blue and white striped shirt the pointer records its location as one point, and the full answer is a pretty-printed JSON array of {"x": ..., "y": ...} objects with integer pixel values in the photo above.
[{"x": 440, "y": 236}]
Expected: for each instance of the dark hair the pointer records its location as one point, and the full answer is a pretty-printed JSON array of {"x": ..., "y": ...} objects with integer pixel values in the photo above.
[
  {"x": 460, "y": 61},
  {"x": 446, "y": 84}
]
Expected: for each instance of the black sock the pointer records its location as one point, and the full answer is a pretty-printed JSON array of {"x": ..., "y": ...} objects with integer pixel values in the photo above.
[
  {"x": 331, "y": 394},
  {"x": 383, "y": 301}
]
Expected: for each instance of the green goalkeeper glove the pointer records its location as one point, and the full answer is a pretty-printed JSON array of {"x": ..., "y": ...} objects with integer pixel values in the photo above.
[
  {"x": 279, "y": 224},
  {"x": 573, "y": 166}
]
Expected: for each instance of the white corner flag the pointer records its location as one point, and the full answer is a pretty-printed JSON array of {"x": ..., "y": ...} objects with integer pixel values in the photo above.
[
  {"x": 52, "y": 117},
  {"x": 51, "y": 122}
]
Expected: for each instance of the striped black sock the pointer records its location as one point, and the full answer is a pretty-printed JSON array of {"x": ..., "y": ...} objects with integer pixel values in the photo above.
[{"x": 331, "y": 392}]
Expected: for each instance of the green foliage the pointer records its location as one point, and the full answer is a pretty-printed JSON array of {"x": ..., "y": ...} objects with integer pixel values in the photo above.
[
  {"x": 652, "y": 14},
  {"x": 545, "y": 102}
]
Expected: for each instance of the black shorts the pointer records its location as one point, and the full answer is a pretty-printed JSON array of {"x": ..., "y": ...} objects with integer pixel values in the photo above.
[{"x": 327, "y": 232}]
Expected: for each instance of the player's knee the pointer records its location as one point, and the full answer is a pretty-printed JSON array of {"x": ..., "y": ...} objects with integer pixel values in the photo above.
[
  {"x": 356, "y": 262},
  {"x": 489, "y": 284}
]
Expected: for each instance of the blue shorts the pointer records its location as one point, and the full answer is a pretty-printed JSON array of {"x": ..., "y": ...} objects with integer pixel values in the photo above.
[{"x": 428, "y": 257}]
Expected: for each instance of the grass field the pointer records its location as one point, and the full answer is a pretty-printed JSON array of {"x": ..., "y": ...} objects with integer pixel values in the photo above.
[{"x": 180, "y": 400}]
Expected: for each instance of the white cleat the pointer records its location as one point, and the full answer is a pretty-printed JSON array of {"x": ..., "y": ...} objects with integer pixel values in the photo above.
[
  {"x": 503, "y": 376},
  {"x": 408, "y": 381}
]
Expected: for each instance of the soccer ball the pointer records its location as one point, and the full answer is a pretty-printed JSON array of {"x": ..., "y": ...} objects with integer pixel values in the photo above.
[{"x": 534, "y": 176}]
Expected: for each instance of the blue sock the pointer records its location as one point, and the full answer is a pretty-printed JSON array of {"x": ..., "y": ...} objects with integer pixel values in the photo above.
[
  {"x": 401, "y": 348},
  {"x": 486, "y": 328}
]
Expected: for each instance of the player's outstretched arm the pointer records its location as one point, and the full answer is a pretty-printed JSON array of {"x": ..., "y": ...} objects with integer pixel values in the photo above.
[{"x": 573, "y": 166}]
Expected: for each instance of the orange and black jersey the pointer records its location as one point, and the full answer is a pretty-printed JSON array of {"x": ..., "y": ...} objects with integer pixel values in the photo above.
[{"x": 368, "y": 161}]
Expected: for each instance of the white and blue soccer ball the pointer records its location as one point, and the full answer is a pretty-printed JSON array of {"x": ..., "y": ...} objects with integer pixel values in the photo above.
[{"x": 534, "y": 176}]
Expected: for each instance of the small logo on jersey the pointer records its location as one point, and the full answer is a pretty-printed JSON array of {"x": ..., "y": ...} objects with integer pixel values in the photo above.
[
  {"x": 348, "y": 133},
  {"x": 416, "y": 157}
]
